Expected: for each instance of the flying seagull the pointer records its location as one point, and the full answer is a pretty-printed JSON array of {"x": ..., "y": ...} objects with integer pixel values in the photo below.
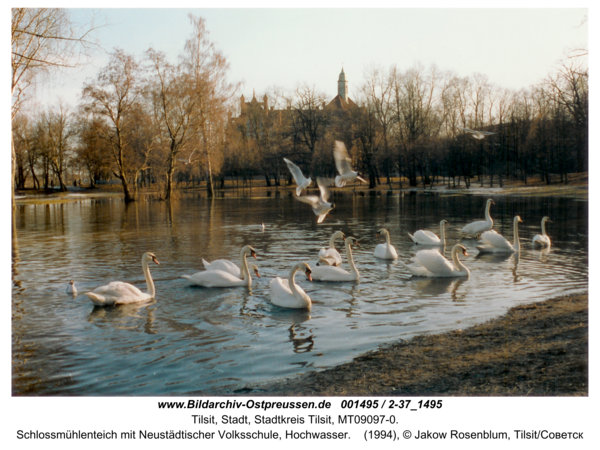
[
  {"x": 299, "y": 177},
  {"x": 477, "y": 134},
  {"x": 319, "y": 204},
  {"x": 189, "y": 160},
  {"x": 342, "y": 162}
]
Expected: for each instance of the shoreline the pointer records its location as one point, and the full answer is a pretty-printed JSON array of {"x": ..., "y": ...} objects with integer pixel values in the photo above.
[
  {"x": 577, "y": 188},
  {"x": 536, "y": 349}
]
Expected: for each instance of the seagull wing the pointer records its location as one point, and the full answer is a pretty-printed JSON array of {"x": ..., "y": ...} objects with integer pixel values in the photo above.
[
  {"x": 342, "y": 158},
  {"x": 323, "y": 184},
  {"x": 312, "y": 200},
  {"x": 296, "y": 172}
]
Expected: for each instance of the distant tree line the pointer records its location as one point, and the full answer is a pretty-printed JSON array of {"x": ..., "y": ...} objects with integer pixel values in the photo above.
[{"x": 149, "y": 122}]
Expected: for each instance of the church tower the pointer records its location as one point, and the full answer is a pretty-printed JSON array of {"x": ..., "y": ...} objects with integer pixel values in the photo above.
[{"x": 343, "y": 85}]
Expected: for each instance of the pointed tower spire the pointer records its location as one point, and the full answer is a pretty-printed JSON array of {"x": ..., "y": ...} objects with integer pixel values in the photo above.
[{"x": 343, "y": 85}]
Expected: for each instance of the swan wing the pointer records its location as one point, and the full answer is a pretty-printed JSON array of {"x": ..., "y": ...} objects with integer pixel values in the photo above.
[
  {"x": 434, "y": 262},
  {"x": 331, "y": 256},
  {"x": 543, "y": 240},
  {"x": 343, "y": 163},
  {"x": 224, "y": 265},
  {"x": 477, "y": 227},
  {"x": 214, "y": 278},
  {"x": 117, "y": 292},
  {"x": 329, "y": 273},
  {"x": 492, "y": 240},
  {"x": 426, "y": 237},
  {"x": 383, "y": 251}
]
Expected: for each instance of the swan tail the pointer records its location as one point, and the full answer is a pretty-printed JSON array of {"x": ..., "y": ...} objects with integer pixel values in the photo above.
[
  {"x": 187, "y": 277},
  {"x": 413, "y": 238},
  {"x": 96, "y": 299},
  {"x": 205, "y": 263}
]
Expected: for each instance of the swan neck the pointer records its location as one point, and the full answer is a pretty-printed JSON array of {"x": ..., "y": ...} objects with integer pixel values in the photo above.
[
  {"x": 148, "y": 277},
  {"x": 351, "y": 259},
  {"x": 487, "y": 212},
  {"x": 459, "y": 265},
  {"x": 245, "y": 270},
  {"x": 332, "y": 242},
  {"x": 516, "y": 243},
  {"x": 543, "y": 228},
  {"x": 387, "y": 238},
  {"x": 292, "y": 280}
]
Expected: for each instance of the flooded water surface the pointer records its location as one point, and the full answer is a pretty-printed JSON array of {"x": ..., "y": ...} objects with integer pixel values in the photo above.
[{"x": 194, "y": 340}]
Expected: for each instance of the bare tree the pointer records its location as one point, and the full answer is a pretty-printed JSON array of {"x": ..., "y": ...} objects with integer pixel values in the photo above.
[
  {"x": 308, "y": 120},
  {"x": 115, "y": 96},
  {"x": 44, "y": 39},
  {"x": 174, "y": 108},
  {"x": 207, "y": 70}
]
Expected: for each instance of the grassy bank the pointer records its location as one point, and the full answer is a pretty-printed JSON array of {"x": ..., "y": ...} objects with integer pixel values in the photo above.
[{"x": 540, "y": 349}]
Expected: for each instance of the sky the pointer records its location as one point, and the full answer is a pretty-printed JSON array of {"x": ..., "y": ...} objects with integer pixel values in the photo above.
[{"x": 513, "y": 47}]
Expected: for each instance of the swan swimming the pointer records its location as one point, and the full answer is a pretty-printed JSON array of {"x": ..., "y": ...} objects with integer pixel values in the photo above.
[
  {"x": 119, "y": 293},
  {"x": 543, "y": 239},
  {"x": 430, "y": 263},
  {"x": 343, "y": 164},
  {"x": 221, "y": 278},
  {"x": 299, "y": 177},
  {"x": 229, "y": 266},
  {"x": 387, "y": 250},
  {"x": 476, "y": 228},
  {"x": 424, "y": 237},
  {"x": 331, "y": 273},
  {"x": 287, "y": 294},
  {"x": 492, "y": 242},
  {"x": 71, "y": 289},
  {"x": 319, "y": 204},
  {"x": 330, "y": 256}
]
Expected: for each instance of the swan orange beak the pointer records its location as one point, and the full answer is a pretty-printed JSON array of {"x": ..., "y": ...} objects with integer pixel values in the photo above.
[
  {"x": 155, "y": 260},
  {"x": 308, "y": 275},
  {"x": 253, "y": 253},
  {"x": 256, "y": 273}
]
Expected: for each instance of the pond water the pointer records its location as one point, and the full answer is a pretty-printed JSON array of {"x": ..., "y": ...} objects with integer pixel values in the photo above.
[{"x": 193, "y": 340}]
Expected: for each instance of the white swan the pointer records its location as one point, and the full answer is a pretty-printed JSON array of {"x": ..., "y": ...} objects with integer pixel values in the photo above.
[
  {"x": 492, "y": 242},
  {"x": 430, "y": 263},
  {"x": 476, "y": 228},
  {"x": 387, "y": 250},
  {"x": 299, "y": 177},
  {"x": 221, "y": 278},
  {"x": 71, "y": 289},
  {"x": 424, "y": 237},
  {"x": 287, "y": 294},
  {"x": 230, "y": 267},
  {"x": 343, "y": 162},
  {"x": 319, "y": 204},
  {"x": 477, "y": 134},
  {"x": 118, "y": 293},
  {"x": 330, "y": 256},
  {"x": 543, "y": 239},
  {"x": 331, "y": 273}
]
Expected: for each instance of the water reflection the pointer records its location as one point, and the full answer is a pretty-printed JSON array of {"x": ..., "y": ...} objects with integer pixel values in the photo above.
[{"x": 213, "y": 341}]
